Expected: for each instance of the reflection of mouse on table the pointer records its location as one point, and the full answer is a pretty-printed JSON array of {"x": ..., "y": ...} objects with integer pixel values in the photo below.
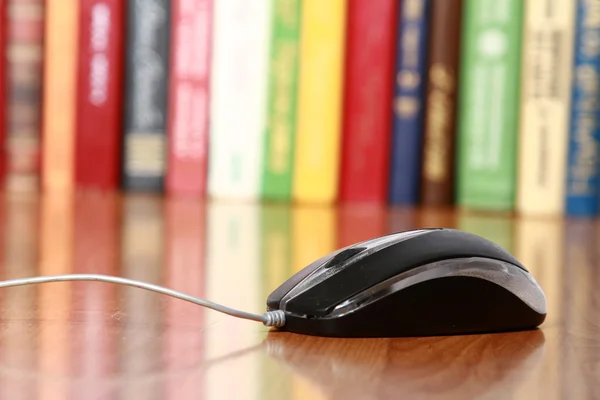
[{"x": 421, "y": 282}]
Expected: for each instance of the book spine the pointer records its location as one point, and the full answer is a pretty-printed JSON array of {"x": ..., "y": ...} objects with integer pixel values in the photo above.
[
  {"x": 59, "y": 94},
  {"x": 238, "y": 98},
  {"x": 439, "y": 131},
  {"x": 281, "y": 107},
  {"x": 189, "y": 97},
  {"x": 489, "y": 104},
  {"x": 25, "y": 27},
  {"x": 409, "y": 104},
  {"x": 369, "y": 68},
  {"x": 317, "y": 149},
  {"x": 583, "y": 173},
  {"x": 144, "y": 149},
  {"x": 99, "y": 94},
  {"x": 547, "y": 65},
  {"x": 3, "y": 74}
]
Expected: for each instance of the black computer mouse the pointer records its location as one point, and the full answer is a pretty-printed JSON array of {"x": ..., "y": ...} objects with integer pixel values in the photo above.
[{"x": 415, "y": 283}]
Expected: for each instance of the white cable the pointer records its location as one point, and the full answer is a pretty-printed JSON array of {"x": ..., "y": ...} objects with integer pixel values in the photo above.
[{"x": 270, "y": 318}]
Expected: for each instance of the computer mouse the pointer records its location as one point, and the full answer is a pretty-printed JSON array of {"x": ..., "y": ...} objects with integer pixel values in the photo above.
[{"x": 422, "y": 282}]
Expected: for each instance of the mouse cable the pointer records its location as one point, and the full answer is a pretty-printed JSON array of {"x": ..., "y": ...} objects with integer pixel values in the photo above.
[{"x": 274, "y": 318}]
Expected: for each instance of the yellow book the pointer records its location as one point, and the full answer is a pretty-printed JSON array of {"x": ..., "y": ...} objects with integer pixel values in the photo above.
[
  {"x": 317, "y": 148},
  {"x": 60, "y": 63}
]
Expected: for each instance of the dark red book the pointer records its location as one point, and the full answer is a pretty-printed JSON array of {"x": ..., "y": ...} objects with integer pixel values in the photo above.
[
  {"x": 188, "y": 115},
  {"x": 99, "y": 94},
  {"x": 3, "y": 74},
  {"x": 369, "y": 76}
]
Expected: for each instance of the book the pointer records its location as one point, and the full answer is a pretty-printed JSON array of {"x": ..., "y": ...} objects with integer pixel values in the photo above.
[
  {"x": 547, "y": 65},
  {"x": 489, "y": 104},
  {"x": 439, "y": 130},
  {"x": 582, "y": 195},
  {"x": 409, "y": 102},
  {"x": 144, "y": 147},
  {"x": 189, "y": 95},
  {"x": 281, "y": 100},
  {"x": 320, "y": 91},
  {"x": 99, "y": 94},
  {"x": 238, "y": 98},
  {"x": 61, "y": 32},
  {"x": 24, "y": 73},
  {"x": 367, "y": 115}
]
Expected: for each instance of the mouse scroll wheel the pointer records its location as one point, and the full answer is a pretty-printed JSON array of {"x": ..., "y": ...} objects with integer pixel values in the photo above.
[{"x": 343, "y": 256}]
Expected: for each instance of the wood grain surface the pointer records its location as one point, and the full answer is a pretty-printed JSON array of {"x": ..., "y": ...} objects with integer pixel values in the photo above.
[{"x": 90, "y": 340}]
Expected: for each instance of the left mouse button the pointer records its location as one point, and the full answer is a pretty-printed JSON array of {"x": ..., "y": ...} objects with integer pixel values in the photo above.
[
  {"x": 344, "y": 256},
  {"x": 275, "y": 297}
]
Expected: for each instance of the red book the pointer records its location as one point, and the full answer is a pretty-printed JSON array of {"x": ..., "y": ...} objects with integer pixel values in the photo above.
[
  {"x": 369, "y": 77},
  {"x": 99, "y": 94},
  {"x": 3, "y": 73},
  {"x": 187, "y": 128}
]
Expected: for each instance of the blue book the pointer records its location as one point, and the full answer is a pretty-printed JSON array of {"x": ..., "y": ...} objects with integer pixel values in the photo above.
[
  {"x": 407, "y": 126},
  {"x": 583, "y": 170}
]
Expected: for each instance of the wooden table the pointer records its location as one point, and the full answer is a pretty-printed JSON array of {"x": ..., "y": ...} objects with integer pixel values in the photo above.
[{"x": 101, "y": 341}]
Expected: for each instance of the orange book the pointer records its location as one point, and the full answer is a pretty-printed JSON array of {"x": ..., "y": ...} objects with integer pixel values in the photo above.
[{"x": 59, "y": 81}]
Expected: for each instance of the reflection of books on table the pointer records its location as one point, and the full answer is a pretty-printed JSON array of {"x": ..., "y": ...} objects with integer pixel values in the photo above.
[
  {"x": 184, "y": 323},
  {"x": 141, "y": 311},
  {"x": 233, "y": 274},
  {"x": 55, "y": 301},
  {"x": 18, "y": 342},
  {"x": 96, "y": 249}
]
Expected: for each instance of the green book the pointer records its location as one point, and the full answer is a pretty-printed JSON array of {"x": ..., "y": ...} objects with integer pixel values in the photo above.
[
  {"x": 283, "y": 84},
  {"x": 489, "y": 104}
]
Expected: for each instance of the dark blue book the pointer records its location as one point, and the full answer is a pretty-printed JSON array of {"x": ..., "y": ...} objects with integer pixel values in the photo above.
[
  {"x": 583, "y": 169},
  {"x": 407, "y": 127}
]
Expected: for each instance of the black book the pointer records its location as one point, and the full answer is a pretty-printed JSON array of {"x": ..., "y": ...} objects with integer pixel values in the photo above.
[{"x": 146, "y": 92}]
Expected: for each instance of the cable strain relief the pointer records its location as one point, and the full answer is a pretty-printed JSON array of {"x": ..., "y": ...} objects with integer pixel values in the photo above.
[{"x": 275, "y": 318}]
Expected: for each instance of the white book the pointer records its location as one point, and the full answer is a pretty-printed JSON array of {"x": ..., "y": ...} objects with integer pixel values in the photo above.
[
  {"x": 548, "y": 35},
  {"x": 238, "y": 97}
]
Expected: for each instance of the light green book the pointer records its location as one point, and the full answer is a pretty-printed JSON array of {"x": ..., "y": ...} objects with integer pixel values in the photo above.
[
  {"x": 282, "y": 92},
  {"x": 489, "y": 104}
]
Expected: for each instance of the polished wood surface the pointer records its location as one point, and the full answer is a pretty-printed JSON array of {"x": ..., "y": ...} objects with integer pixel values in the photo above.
[{"x": 103, "y": 341}]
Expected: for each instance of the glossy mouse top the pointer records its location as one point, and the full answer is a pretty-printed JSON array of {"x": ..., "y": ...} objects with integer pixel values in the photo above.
[{"x": 419, "y": 282}]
